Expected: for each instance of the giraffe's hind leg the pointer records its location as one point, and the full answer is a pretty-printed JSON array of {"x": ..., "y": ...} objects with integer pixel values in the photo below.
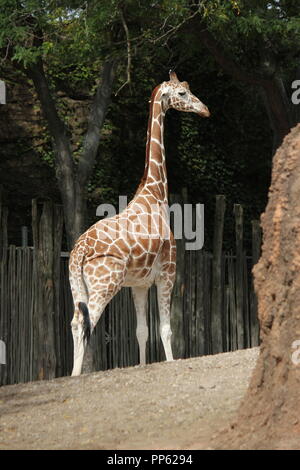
[
  {"x": 103, "y": 277},
  {"x": 80, "y": 295},
  {"x": 79, "y": 337}
]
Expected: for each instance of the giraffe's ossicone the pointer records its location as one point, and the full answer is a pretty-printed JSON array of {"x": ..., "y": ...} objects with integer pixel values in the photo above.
[{"x": 135, "y": 248}]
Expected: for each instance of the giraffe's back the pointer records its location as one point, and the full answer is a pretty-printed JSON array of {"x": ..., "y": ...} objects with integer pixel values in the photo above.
[{"x": 136, "y": 237}]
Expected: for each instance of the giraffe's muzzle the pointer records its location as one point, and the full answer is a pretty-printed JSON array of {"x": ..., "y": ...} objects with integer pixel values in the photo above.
[{"x": 204, "y": 111}]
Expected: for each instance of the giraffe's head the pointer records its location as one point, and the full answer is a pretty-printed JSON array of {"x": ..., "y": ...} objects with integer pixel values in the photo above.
[{"x": 177, "y": 95}]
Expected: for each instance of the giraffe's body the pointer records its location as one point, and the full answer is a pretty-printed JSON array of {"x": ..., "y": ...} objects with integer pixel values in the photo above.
[{"x": 136, "y": 247}]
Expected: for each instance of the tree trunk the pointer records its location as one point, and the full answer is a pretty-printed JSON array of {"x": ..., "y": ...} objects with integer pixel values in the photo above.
[
  {"x": 72, "y": 183},
  {"x": 76, "y": 222},
  {"x": 269, "y": 414}
]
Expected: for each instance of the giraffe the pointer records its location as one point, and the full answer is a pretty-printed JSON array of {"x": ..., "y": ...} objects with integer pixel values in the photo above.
[{"x": 136, "y": 247}]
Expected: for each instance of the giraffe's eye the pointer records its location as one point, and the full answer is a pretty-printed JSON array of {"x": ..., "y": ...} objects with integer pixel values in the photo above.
[{"x": 182, "y": 93}]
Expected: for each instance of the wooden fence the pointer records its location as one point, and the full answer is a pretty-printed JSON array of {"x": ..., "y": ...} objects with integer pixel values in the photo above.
[{"x": 213, "y": 306}]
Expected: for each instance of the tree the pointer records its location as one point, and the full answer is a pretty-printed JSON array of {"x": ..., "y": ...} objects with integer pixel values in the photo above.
[
  {"x": 262, "y": 36},
  {"x": 36, "y": 36},
  {"x": 254, "y": 42}
]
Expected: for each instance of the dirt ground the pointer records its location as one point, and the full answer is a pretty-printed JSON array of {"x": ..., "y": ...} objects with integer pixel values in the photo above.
[{"x": 177, "y": 405}]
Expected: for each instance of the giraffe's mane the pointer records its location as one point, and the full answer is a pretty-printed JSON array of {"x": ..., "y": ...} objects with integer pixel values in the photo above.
[{"x": 144, "y": 177}]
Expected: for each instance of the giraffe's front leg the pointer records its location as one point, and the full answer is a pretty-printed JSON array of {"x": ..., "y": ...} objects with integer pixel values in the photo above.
[
  {"x": 140, "y": 297},
  {"x": 164, "y": 290}
]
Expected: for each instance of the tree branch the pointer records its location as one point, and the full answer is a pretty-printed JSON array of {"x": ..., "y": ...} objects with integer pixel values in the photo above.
[
  {"x": 175, "y": 28},
  {"x": 128, "y": 81}
]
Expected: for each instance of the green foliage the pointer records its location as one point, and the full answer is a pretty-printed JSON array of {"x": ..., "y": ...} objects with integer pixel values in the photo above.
[
  {"x": 81, "y": 28},
  {"x": 259, "y": 24},
  {"x": 47, "y": 156},
  {"x": 230, "y": 153}
]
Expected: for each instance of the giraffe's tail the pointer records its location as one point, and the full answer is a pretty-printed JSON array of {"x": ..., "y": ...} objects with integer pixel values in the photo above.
[{"x": 86, "y": 321}]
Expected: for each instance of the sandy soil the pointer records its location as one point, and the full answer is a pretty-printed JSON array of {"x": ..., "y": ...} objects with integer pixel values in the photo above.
[
  {"x": 179, "y": 405},
  {"x": 176, "y": 405}
]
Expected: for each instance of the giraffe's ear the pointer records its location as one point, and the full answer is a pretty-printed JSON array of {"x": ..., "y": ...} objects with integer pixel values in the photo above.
[
  {"x": 173, "y": 76},
  {"x": 185, "y": 85}
]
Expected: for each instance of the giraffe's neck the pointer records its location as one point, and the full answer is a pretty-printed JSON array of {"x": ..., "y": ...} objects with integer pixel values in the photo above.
[{"x": 155, "y": 174}]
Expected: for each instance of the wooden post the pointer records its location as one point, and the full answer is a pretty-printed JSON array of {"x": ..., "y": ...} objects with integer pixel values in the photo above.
[
  {"x": 256, "y": 241},
  {"x": 225, "y": 309},
  {"x": 246, "y": 305},
  {"x": 232, "y": 304},
  {"x": 227, "y": 315},
  {"x": 177, "y": 318},
  {"x": 4, "y": 312},
  {"x": 238, "y": 213},
  {"x": 58, "y": 218},
  {"x": 216, "y": 299},
  {"x": 256, "y": 248},
  {"x": 24, "y": 232},
  {"x": 3, "y": 227},
  {"x": 36, "y": 298},
  {"x": 187, "y": 307},
  {"x": 47, "y": 227},
  {"x": 200, "y": 304},
  {"x": 192, "y": 287},
  {"x": 207, "y": 286}
]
